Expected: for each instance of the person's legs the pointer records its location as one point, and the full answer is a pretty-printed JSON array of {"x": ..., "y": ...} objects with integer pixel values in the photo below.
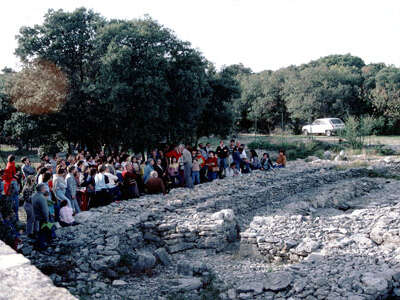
[
  {"x": 226, "y": 165},
  {"x": 203, "y": 177},
  {"x": 14, "y": 197},
  {"x": 188, "y": 176},
  {"x": 212, "y": 175},
  {"x": 61, "y": 196},
  {"x": 63, "y": 224},
  {"x": 75, "y": 206},
  {"x": 196, "y": 177},
  {"x": 30, "y": 218},
  {"x": 42, "y": 238},
  {"x": 237, "y": 165},
  {"x": 57, "y": 211}
]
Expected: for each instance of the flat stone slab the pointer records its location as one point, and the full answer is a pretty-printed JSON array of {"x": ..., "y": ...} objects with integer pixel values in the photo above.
[{"x": 20, "y": 280}]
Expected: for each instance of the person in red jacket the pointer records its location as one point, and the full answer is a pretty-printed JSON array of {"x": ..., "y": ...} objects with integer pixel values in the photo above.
[
  {"x": 9, "y": 174},
  {"x": 10, "y": 183},
  {"x": 212, "y": 164}
]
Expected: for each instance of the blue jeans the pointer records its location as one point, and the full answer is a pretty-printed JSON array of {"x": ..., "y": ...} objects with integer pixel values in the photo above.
[
  {"x": 237, "y": 163},
  {"x": 75, "y": 205},
  {"x": 60, "y": 194},
  {"x": 196, "y": 177},
  {"x": 222, "y": 163},
  {"x": 31, "y": 224},
  {"x": 15, "y": 198},
  {"x": 212, "y": 175},
  {"x": 57, "y": 211}
]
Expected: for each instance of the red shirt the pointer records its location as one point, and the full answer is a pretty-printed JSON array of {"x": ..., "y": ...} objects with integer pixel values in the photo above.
[
  {"x": 173, "y": 153},
  {"x": 201, "y": 159},
  {"x": 211, "y": 163},
  {"x": 128, "y": 176}
]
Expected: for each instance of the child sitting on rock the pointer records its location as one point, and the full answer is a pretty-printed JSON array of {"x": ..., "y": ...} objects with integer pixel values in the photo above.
[
  {"x": 281, "y": 160},
  {"x": 266, "y": 162},
  {"x": 66, "y": 218},
  {"x": 232, "y": 170}
]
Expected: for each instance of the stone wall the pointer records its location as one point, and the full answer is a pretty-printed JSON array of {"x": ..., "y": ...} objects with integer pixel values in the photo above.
[{"x": 280, "y": 220}]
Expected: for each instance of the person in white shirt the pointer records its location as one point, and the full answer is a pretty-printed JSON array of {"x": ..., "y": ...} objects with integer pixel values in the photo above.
[
  {"x": 99, "y": 179},
  {"x": 112, "y": 179},
  {"x": 103, "y": 195},
  {"x": 232, "y": 171},
  {"x": 242, "y": 151},
  {"x": 112, "y": 184}
]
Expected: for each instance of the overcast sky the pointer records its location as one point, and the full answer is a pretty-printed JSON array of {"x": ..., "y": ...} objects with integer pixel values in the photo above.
[{"x": 261, "y": 34}]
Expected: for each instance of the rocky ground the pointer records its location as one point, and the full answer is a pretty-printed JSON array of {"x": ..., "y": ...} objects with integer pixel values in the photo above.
[{"x": 315, "y": 230}]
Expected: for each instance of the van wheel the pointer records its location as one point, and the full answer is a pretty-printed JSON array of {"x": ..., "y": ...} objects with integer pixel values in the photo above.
[
  {"x": 305, "y": 132},
  {"x": 328, "y": 133}
]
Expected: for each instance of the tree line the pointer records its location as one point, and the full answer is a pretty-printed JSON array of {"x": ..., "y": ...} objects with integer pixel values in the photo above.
[
  {"x": 340, "y": 86},
  {"x": 91, "y": 81}
]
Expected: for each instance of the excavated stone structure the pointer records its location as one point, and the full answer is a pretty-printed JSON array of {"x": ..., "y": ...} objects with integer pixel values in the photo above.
[{"x": 310, "y": 231}]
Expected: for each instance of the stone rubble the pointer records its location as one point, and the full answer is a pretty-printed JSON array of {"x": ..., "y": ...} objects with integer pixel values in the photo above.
[{"x": 313, "y": 230}]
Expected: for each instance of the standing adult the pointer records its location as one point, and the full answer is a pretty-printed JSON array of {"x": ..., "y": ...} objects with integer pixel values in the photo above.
[
  {"x": 27, "y": 169},
  {"x": 187, "y": 165},
  {"x": 11, "y": 187},
  {"x": 222, "y": 153},
  {"x": 60, "y": 186},
  {"x": 72, "y": 188},
  {"x": 41, "y": 211},
  {"x": 27, "y": 192}
]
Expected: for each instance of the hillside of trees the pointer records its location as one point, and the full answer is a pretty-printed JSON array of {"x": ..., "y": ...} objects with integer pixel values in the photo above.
[
  {"x": 332, "y": 86},
  {"x": 135, "y": 84}
]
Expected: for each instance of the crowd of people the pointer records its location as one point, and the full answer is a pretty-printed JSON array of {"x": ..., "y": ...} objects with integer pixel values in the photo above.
[{"x": 59, "y": 188}]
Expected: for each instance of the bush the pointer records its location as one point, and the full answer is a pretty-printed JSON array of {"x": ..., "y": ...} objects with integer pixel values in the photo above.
[
  {"x": 357, "y": 129},
  {"x": 297, "y": 149},
  {"x": 382, "y": 150}
]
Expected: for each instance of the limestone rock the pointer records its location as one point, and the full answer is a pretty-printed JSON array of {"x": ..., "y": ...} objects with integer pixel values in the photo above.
[{"x": 277, "y": 281}]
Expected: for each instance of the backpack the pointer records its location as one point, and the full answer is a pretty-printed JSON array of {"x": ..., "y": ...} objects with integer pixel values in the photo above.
[{"x": 106, "y": 180}]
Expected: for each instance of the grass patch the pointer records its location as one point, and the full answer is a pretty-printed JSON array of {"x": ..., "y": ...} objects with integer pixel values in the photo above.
[
  {"x": 352, "y": 165},
  {"x": 297, "y": 149}
]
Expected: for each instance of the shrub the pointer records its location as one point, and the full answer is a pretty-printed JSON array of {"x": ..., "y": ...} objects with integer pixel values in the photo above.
[
  {"x": 357, "y": 129},
  {"x": 297, "y": 149}
]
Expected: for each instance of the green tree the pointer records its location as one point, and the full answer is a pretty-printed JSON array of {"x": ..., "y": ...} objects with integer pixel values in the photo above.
[
  {"x": 386, "y": 97},
  {"x": 269, "y": 107},
  {"x": 218, "y": 116},
  {"x": 149, "y": 78},
  {"x": 67, "y": 39},
  {"x": 324, "y": 91},
  {"x": 21, "y": 130}
]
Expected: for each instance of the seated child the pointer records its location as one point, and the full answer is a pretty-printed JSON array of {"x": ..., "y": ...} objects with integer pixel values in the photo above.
[
  {"x": 266, "y": 163},
  {"x": 246, "y": 166},
  {"x": 232, "y": 170},
  {"x": 281, "y": 160},
  {"x": 66, "y": 218}
]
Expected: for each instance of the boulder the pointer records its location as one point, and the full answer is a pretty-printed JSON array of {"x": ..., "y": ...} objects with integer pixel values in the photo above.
[
  {"x": 277, "y": 281},
  {"x": 145, "y": 261},
  {"x": 163, "y": 256}
]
